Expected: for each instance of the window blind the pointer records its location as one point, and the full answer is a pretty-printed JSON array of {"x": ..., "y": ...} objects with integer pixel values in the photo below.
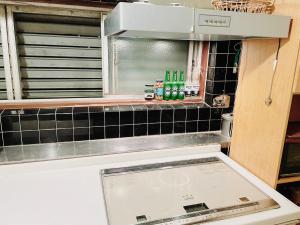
[
  {"x": 59, "y": 57},
  {"x": 2, "y": 76}
]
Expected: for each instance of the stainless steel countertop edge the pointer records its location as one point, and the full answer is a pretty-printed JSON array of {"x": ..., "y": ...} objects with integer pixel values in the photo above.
[{"x": 67, "y": 150}]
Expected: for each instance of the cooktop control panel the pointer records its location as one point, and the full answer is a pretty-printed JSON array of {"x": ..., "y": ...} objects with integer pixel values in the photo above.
[{"x": 207, "y": 215}]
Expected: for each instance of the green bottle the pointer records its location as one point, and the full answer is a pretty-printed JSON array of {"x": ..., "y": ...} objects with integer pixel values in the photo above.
[
  {"x": 167, "y": 86},
  {"x": 181, "y": 85},
  {"x": 174, "y": 86}
]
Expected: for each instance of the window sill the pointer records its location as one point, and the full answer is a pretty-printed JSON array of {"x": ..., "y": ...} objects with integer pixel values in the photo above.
[{"x": 48, "y": 103}]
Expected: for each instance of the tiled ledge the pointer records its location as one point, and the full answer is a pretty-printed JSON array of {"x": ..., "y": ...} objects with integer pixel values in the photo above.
[
  {"x": 36, "y": 126},
  {"x": 66, "y": 150}
]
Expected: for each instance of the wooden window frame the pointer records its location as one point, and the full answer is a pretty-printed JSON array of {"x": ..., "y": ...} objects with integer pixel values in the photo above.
[{"x": 6, "y": 56}]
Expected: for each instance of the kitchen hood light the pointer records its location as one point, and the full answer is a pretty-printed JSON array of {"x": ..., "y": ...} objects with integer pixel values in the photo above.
[{"x": 176, "y": 4}]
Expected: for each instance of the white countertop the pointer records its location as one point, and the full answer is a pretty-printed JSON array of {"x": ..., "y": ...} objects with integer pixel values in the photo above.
[{"x": 69, "y": 191}]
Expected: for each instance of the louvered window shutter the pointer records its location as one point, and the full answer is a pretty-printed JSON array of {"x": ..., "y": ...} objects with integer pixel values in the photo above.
[
  {"x": 59, "y": 56},
  {"x": 2, "y": 76}
]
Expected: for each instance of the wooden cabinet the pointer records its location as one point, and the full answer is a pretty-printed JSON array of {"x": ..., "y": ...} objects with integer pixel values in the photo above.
[
  {"x": 297, "y": 77},
  {"x": 259, "y": 129}
]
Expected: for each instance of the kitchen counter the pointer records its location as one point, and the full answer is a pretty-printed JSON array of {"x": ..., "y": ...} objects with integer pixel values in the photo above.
[{"x": 65, "y": 150}]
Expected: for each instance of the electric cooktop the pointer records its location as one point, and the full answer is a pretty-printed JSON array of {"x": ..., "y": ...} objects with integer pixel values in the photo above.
[{"x": 180, "y": 192}]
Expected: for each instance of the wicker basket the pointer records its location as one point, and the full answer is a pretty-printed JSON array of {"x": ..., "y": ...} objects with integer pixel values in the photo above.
[{"x": 249, "y": 6}]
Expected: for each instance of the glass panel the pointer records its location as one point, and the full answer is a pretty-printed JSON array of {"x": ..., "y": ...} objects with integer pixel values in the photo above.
[{"x": 136, "y": 62}]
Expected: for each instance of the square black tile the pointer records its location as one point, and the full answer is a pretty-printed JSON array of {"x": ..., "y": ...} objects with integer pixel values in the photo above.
[
  {"x": 81, "y": 120},
  {"x": 12, "y": 138},
  {"x": 179, "y": 127},
  {"x": 30, "y": 137},
  {"x": 112, "y": 116},
  {"x": 234, "y": 46},
  {"x": 48, "y": 136},
  {"x": 215, "y": 125},
  {"x": 218, "y": 60},
  {"x": 112, "y": 132},
  {"x": 153, "y": 128},
  {"x": 216, "y": 113},
  {"x": 97, "y": 119},
  {"x": 191, "y": 126},
  {"x": 126, "y": 117},
  {"x": 47, "y": 111},
  {"x": 216, "y": 74},
  {"x": 96, "y": 109},
  {"x": 140, "y": 129},
  {"x": 167, "y": 115},
  {"x": 154, "y": 116},
  {"x": 166, "y": 128},
  {"x": 47, "y": 121},
  {"x": 230, "y": 75},
  {"x": 29, "y": 111},
  {"x": 64, "y": 135},
  {"x": 126, "y": 131},
  {"x": 217, "y": 87},
  {"x": 192, "y": 113},
  {"x": 96, "y": 133},
  {"x": 1, "y": 141},
  {"x": 29, "y": 122},
  {"x": 180, "y": 115},
  {"x": 231, "y": 60},
  {"x": 230, "y": 87},
  {"x": 80, "y": 110},
  {"x": 81, "y": 134},
  {"x": 65, "y": 110},
  {"x": 219, "y": 46},
  {"x": 64, "y": 120},
  {"x": 10, "y": 123},
  {"x": 140, "y": 117},
  {"x": 203, "y": 126},
  {"x": 204, "y": 113}
]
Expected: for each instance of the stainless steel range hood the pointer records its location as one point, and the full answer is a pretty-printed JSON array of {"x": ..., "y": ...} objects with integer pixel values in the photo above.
[{"x": 140, "y": 20}]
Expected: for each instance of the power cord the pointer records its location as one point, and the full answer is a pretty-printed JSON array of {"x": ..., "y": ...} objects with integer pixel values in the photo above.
[{"x": 269, "y": 100}]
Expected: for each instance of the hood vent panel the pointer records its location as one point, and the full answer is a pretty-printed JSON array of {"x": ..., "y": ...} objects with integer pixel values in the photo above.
[{"x": 181, "y": 23}]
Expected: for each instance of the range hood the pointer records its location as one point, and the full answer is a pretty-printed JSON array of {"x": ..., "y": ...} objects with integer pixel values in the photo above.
[{"x": 140, "y": 20}]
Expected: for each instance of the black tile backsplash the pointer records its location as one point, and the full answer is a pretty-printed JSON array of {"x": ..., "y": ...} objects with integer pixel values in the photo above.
[
  {"x": 191, "y": 126},
  {"x": 30, "y": 137},
  {"x": 179, "y": 127},
  {"x": 65, "y": 135},
  {"x": 167, "y": 128},
  {"x": 47, "y": 121},
  {"x": 153, "y": 128},
  {"x": 140, "y": 114},
  {"x": 64, "y": 120},
  {"x": 221, "y": 75},
  {"x": 112, "y": 116},
  {"x": 29, "y": 122},
  {"x": 10, "y": 122},
  {"x": 126, "y": 131},
  {"x": 81, "y": 134},
  {"x": 12, "y": 138},
  {"x": 77, "y": 124},
  {"x": 97, "y": 133},
  {"x": 48, "y": 136},
  {"x": 81, "y": 119},
  {"x": 112, "y": 132}
]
